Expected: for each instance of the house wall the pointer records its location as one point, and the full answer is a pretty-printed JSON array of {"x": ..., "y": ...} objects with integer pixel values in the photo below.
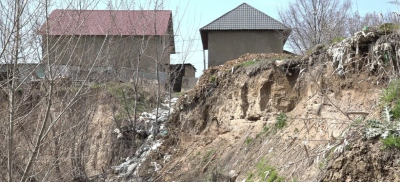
[
  {"x": 189, "y": 71},
  {"x": 117, "y": 52},
  {"x": 228, "y": 45},
  {"x": 177, "y": 72}
]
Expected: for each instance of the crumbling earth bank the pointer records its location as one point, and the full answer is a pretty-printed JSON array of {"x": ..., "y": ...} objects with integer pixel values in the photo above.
[
  {"x": 364, "y": 161},
  {"x": 226, "y": 126},
  {"x": 222, "y": 127}
]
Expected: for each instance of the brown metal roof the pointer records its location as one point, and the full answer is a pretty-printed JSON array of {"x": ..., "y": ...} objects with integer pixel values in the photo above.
[{"x": 108, "y": 22}]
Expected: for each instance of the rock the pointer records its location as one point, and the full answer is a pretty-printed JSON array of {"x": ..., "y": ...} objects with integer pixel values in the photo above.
[
  {"x": 336, "y": 176},
  {"x": 232, "y": 175},
  {"x": 397, "y": 176},
  {"x": 362, "y": 166},
  {"x": 317, "y": 109},
  {"x": 338, "y": 163},
  {"x": 280, "y": 62}
]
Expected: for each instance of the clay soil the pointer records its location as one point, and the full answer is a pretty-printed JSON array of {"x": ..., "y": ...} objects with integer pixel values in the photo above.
[{"x": 226, "y": 126}]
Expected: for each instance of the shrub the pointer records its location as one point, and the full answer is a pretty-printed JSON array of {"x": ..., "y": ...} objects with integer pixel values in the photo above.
[
  {"x": 391, "y": 93},
  {"x": 249, "y": 140},
  {"x": 262, "y": 170},
  {"x": 265, "y": 129},
  {"x": 264, "y": 132},
  {"x": 389, "y": 125},
  {"x": 337, "y": 39},
  {"x": 281, "y": 120},
  {"x": 249, "y": 177},
  {"x": 391, "y": 97},
  {"x": 395, "y": 111},
  {"x": 391, "y": 142},
  {"x": 213, "y": 79}
]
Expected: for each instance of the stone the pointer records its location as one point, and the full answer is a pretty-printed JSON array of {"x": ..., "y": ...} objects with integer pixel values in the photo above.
[
  {"x": 338, "y": 163},
  {"x": 362, "y": 166},
  {"x": 232, "y": 175}
]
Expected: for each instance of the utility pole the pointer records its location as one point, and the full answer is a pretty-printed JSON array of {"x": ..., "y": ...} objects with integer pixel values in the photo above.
[{"x": 204, "y": 59}]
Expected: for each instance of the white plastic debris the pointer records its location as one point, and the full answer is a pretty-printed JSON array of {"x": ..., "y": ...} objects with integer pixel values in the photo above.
[
  {"x": 156, "y": 166},
  {"x": 118, "y": 132},
  {"x": 174, "y": 100}
]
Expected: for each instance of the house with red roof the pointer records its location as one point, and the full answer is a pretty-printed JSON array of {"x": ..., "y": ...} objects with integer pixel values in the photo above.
[{"x": 108, "y": 41}]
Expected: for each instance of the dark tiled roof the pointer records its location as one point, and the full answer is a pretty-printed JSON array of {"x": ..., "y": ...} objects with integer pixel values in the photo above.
[
  {"x": 243, "y": 17},
  {"x": 108, "y": 22}
]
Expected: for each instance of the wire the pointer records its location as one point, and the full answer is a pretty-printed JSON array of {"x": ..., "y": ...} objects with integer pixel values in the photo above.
[
  {"x": 188, "y": 51},
  {"x": 186, "y": 40}
]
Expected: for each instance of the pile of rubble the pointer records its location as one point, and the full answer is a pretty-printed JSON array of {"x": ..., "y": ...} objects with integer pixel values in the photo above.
[{"x": 150, "y": 127}]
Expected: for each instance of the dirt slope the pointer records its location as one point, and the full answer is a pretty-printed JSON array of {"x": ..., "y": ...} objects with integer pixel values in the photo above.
[{"x": 226, "y": 128}]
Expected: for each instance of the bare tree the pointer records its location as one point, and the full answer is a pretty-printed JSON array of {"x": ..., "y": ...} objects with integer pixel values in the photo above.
[
  {"x": 27, "y": 129},
  {"x": 47, "y": 123},
  {"x": 314, "y": 22},
  {"x": 357, "y": 22}
]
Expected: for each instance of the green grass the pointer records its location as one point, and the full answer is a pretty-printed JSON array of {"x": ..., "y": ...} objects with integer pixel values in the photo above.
[
  {"x": 391, "y": 142},
  {"x": 359, "y": 120},
  {"x": 390, "y": 115},
  {"x": 395, "y": 111},
  {"x": 337, "y": 39},
  {"x": 261, "y": 174},
  {"x": 248, "y": 63},
  {"x": 391, "y": 93},
  {"x": 388, "y": 28},
  {"x": 391, "y": 97},
  {"x": 249, "y": 140},
  {"x": 179, "y": 93},
  {"x": 249, "y": 177},
  {"x": 252, "y": 62},
  {"x": 208, "y": 155},
  {"x": 95, "y": 86},
  {"x": 281, "y": 120},
  {"x": 264, "y": 132},
  {"x": 213, "y": 79},
  {"x": 321, "y": 165}
]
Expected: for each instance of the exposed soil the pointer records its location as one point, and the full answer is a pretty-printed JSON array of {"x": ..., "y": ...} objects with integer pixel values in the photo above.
[
  {"x": 225, "y": 127},
  {"x": 365, "y": 161}
]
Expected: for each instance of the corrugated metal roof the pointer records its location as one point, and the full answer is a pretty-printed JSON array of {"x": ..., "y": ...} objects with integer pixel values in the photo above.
[
  {"x": 245, "y": 17},
  {"x": 108, "y": 22}
]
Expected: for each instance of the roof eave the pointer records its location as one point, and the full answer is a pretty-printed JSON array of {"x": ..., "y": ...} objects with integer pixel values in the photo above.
[
  {"x": 204, "y": 34},
  {"x": 204, "y": 38}
]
